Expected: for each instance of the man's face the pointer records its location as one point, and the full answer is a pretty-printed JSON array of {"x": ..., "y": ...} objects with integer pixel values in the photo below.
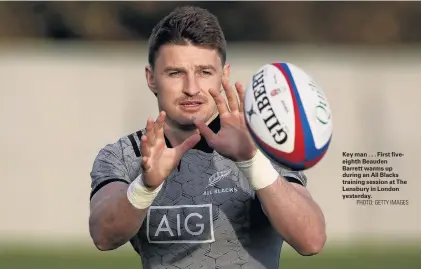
[{"x": 181, "y": 78}]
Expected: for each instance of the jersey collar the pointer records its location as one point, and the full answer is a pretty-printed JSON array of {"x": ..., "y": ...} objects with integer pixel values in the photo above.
[{"x": 202, "y": 145}]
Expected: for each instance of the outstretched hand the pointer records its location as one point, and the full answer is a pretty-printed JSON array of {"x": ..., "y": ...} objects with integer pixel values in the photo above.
[
  {"x": 233, "y": 140},
  {"x": 158, "y": 161}
]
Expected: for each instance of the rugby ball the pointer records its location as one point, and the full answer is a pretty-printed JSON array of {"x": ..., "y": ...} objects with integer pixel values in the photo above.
[{"x": 288, "y": 116}]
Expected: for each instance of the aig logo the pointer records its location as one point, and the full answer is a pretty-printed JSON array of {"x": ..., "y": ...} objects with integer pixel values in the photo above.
[{"x": 180, "y": 224}]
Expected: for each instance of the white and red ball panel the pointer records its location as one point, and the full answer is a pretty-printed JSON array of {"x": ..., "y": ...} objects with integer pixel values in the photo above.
[{"x": 288, "y": 115}]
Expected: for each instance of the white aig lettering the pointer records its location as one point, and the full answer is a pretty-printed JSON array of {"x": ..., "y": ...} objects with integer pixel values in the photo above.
[
  {"x": 180, "y": 224},
  {"x": 165, "y": 227}
]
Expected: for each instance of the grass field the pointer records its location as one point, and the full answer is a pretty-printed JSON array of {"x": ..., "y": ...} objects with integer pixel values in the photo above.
[{"x": 357, "y": 257}]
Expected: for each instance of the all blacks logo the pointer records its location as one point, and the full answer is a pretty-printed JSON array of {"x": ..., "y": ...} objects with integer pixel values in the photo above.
[{"x": 276, "y": 129}]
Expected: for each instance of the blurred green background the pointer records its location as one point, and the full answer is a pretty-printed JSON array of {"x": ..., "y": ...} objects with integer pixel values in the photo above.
[
  {"x": 362, "y": 256},
  {"x": 71, "y": 80}
]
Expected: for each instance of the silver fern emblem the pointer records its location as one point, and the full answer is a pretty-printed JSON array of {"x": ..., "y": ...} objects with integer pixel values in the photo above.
[{"x": 215, "y": 178}]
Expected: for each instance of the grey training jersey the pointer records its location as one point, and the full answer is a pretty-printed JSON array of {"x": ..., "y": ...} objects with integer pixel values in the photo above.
[{"x": 205, "y": 216}]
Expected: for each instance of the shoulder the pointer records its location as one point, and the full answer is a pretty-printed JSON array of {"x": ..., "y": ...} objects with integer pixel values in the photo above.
[
  {"x": 117, "y": 161},
  {"x": 127, "y": 146}
]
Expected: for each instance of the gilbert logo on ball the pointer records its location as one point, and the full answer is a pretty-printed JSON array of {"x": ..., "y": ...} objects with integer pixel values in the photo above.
[{"x": 288, "y": 116}]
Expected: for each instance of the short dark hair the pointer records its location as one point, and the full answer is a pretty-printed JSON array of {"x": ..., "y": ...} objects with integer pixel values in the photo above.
[{"x": 184, "y": 25}]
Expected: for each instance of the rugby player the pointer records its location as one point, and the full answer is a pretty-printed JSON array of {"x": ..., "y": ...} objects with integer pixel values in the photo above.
[{"x": 190, "y": 189}]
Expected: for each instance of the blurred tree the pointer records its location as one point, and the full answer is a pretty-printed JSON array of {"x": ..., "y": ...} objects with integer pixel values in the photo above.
[{"x": 329, "y": 22}]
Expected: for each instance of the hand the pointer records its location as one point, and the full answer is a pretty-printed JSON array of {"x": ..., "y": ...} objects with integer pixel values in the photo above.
[
  {"x": 233, "y": 141},
  {"x": 158, "y": 161}
]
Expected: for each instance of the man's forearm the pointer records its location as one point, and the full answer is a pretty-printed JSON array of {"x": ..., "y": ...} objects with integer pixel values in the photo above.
[
  {"x": 296, "y": 217},
  {"x": 113, "y": 220}
]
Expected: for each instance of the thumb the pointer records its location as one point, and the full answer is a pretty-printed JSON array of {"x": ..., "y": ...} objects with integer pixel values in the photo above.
[
  {"x": 206, "y": 132},
  {"x": 187, "y": 145}
]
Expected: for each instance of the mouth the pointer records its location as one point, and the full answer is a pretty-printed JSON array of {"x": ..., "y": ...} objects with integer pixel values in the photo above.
[{"x": 191, "y": 105}]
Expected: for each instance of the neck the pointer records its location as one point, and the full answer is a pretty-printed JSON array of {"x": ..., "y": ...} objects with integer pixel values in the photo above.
[{"x": 176, "y": 136}]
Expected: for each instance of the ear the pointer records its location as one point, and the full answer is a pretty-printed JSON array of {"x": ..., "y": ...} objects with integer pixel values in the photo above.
[
  {"x": 226, "y": 72},
  {"x": 149, "y": 75}
]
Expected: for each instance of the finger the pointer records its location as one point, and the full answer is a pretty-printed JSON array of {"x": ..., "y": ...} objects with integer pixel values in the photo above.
[
  {"x": 206, "y": 132},
  {"x": 220, "y": 102},
  {"x": 241, "y": 94},
  {"x": 159, "y": 126},
  {"x": 187, "y": 145},
  {"x": 146, "y": 166},
  {"x": 231, "y": 96},
  {"x": 145, "y": 147},
  {"x": 150, "y": 132}
]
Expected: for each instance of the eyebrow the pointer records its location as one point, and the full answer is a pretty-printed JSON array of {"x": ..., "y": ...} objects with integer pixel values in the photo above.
[
  {"x": 173, "y": 68},
  {"x": 202, "y": 67},
  {"x": 182, "y": 69}
]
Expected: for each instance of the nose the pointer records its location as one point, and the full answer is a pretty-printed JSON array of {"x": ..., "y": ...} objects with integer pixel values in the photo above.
[{"x": 191, "y": 86}]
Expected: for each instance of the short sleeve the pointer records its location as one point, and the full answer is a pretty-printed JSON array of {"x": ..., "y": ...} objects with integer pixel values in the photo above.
[
  {"x": 108, "y": 167},
  {"x": 291, "y": 176}
]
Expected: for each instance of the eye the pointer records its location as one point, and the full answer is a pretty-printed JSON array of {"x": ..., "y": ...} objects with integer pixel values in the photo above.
[
  {"x": 174, "y": 73},
  {"x": 206, "y": 73}
]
